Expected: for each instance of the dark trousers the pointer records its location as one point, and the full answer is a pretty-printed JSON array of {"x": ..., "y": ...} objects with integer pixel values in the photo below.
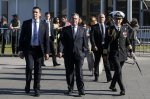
[
  {"x": 98, "y": 55},
  {"x": 14, "y": 44},
  {"x": 74, "y": 68},
  {"x": 117, "y": 74},
  {"x": 3, "y": 45},
  {"x": 33, "y": 60}
]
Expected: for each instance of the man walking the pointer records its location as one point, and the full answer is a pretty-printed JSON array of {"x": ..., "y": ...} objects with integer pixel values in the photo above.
[
  {"x": 117, "y": 40},
  {"x": 34, "y": 45},
  {"x": 73, "y": 39},
  {"x": 97, "y": 40}
]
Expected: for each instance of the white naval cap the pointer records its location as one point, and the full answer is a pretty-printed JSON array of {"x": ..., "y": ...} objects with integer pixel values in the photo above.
[{"x": 117, "y": 14}]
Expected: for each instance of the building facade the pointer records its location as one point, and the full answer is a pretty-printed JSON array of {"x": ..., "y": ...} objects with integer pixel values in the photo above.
[{"x": 132, "y": 8}]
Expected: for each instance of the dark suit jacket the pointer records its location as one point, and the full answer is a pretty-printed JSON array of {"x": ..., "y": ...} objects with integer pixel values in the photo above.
[
  {"x": 52, "y": 32},
  {"x": 96, "y": 36},
  {"x": 74, "y": 47},
  {"x": 25, "y": 37}
]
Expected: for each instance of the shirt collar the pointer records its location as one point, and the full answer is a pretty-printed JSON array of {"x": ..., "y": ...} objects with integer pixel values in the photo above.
[
  {"x": 117, "y": 26},
  {"x": 37, "y": 21},
  {"x": 47, "y": 20},
  {"x": 74, "y": 26}
]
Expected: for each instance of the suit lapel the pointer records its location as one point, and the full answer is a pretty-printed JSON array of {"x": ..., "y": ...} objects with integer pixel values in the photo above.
[
  {"x": 40, "y": 27},
  {"x": 99, "y": 29},
  {"x": 70, "y": 31},
  {"x": 30, "y": 29},
  {"x": 78, "y": 33}
]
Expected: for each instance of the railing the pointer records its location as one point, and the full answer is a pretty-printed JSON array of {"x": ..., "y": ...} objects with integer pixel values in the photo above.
[
  {"x": 144, "y": 37},
  {"x": 9, "y": 41}
]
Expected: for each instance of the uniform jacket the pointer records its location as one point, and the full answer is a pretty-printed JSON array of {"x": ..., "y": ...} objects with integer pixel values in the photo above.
[{"x": 117, "y": 42}]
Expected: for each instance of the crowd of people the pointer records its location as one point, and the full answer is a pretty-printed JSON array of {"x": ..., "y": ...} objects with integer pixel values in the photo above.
[
  {"x": 9, "y": 33},
  {"x": 110, "y": 39}
]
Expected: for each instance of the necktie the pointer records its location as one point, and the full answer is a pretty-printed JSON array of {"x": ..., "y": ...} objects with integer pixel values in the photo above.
[
  {"x": 74, "y": 31},
  {"x": 49, "y": 28},
  {"x": 35, "y": 34},
  {"x": 103, "y": 36},
  {"x": 102, "y": 28},
  {"x": 118, "y": 28}
]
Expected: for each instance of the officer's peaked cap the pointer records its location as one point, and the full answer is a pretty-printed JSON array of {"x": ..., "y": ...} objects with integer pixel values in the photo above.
[{"x": 119, "y": 14}]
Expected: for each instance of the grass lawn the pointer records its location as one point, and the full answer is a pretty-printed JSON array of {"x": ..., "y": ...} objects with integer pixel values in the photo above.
[
  {"x": 143, "y": 48},
  {"x": 8, "y": 49},
  {"x": 139, "y": 48}
]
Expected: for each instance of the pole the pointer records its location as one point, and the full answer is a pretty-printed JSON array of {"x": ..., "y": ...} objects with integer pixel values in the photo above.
[
  {"x": 16, "y": 6},
  {"x": 141, "y": 12},
  {"x": 114, "y": 5},
  {"x": 0, "y": 8},
  {"x": 102, "y": 7},
  {"x": 55, "y": 8},
  {"x": 129, "y": 10}
]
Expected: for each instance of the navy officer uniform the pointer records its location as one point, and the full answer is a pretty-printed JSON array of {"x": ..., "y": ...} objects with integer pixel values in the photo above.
[{"x": 117, "y": 41}]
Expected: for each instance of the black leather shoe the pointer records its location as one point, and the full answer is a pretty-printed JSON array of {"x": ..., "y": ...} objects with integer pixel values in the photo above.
[
  {"x": 113, "y": 89},
  {"x": 56, "y": 65},
  {"x": 69, "y": 92},
  {"x": 122, "y": 92},
  {"x": 27, "y": 89},
  {"x": 81, "y": 94},
  {"x": 43, "y": 65},
  {"x": 37, "y": 93},
  {"x": 108, "y": 80}
]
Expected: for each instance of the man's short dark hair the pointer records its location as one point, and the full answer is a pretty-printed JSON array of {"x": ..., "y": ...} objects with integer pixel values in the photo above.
[
  {"x": 36, "y": 7},
  {"x": 46, "y": 13},
  {"x": 64, "y": 16}
]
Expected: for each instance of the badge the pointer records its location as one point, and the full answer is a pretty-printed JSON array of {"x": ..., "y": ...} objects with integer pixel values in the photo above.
[{"x": 124, "y": 34}]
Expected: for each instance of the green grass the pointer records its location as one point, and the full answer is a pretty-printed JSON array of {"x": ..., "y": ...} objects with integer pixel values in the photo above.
[
  {"x": 143, "y": 48},
  {"x": 8, "y": 49},
  {"x": 139, "y": 48}
]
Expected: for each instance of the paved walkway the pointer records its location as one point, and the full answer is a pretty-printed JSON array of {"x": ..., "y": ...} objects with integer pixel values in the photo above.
[{"x": 53, "y": 83}]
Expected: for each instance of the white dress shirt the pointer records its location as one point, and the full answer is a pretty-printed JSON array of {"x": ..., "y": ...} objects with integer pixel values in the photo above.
[
  {"x": 75, "y": 28},
  {"x": 49, "y": 27}
]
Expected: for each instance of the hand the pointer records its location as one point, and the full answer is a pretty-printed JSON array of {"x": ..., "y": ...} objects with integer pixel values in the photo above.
[
  {"x": 130, "y": 50},
  {"x": 89, "y": 50},
  {"x": 21, "y": 55},
  {"x": 46, "y": 56},
  {"x": 105, "y": 58},
  {"x": 60, "y": 55},
  {"x": 95, "y": 48}
]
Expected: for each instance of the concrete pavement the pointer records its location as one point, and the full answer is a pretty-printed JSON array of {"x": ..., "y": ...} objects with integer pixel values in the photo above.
[{"x": 53, "y": 83}]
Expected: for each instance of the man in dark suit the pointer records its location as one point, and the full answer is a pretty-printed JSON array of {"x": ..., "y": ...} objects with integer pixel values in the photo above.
[
  {"x": 73, "y": 39},
  {"x": 118, "y": 42},
  {"x": 97, "y": 40},
  {"x": 51, "y": 39},
  {"x": 33, "y": 45}
]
